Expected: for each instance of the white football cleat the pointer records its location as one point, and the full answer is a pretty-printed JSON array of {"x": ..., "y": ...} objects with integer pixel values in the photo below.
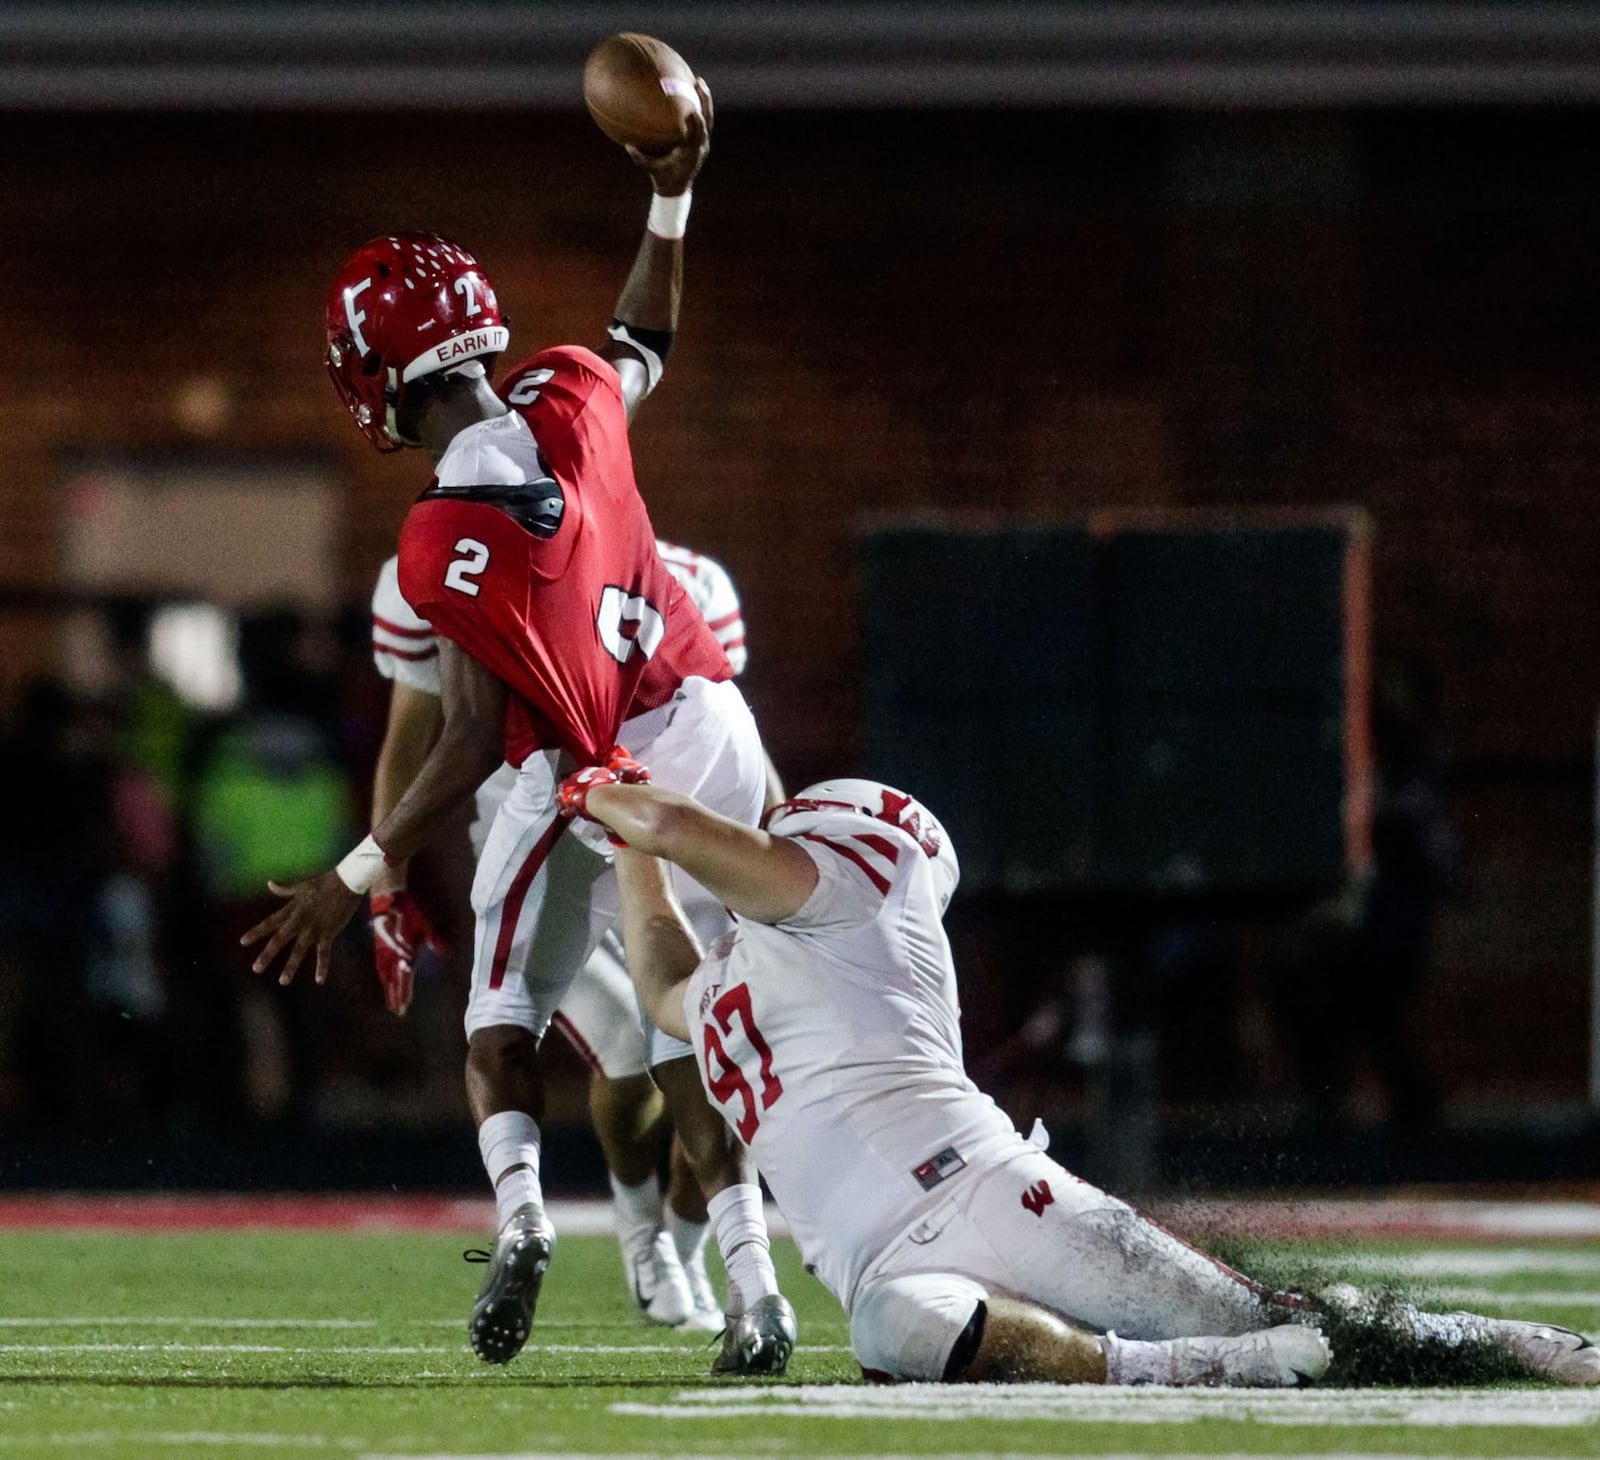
[
  {"x": 707, "y": 1316},
  {"x": 1289, "y": 1356},
  {"x": 1559, "y": 1354},
  {"x": 660, "y": 1285}
]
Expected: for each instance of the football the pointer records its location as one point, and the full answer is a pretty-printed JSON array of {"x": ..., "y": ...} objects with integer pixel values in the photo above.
[{"x": 640, "y": 92}]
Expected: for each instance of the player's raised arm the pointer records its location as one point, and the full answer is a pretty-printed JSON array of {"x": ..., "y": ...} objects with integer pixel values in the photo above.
[
  {"x": 761, "y": 877},
  {"x": 641, "y": 332}
]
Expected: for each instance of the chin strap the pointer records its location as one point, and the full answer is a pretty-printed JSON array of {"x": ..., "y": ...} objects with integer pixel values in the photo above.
[{"x": 391, "y": 422}]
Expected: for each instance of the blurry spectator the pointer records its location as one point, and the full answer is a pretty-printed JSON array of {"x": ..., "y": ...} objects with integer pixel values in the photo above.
[
  {"x": 1350, "y": 969},
  {"x": 52, "y": 858},
  {"x": 89, "y": 837},
  {"x": 272, "y": 801},
  {"x": 155, "y": 728}
]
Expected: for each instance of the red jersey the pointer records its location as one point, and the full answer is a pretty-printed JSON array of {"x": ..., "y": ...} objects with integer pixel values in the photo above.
[{"x": 533, "y": 553}]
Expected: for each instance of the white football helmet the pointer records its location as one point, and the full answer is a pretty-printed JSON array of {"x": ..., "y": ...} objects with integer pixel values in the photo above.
[{"x": 806, "y": 809}]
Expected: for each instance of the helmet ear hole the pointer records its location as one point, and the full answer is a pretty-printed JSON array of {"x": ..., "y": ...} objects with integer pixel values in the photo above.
[{"x": 371, "y": 363}]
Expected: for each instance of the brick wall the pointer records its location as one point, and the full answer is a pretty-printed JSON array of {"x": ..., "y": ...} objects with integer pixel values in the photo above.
[{"x": 1035, "y": 314}]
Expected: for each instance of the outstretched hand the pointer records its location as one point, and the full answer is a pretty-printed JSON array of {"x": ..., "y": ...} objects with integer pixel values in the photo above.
[
  {"x": 315, "y": 910},
  {"x": 674, "y": 172}
]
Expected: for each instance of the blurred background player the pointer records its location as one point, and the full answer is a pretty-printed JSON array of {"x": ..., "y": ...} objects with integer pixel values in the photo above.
[
  {"x": 663, "y": 1244},
  {"x": 561, "y": 632},
  {"x": 827, "y": 1027}
]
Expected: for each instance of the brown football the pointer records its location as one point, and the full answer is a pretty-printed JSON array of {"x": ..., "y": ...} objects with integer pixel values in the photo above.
[{"x": 639, "y": 91}]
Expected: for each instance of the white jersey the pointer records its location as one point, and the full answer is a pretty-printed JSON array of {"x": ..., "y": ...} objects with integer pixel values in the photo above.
[
  {"x": 832, "y": 1043},
  {"x": 711, "y": 590},
  {"x": 403, "y": 644}
]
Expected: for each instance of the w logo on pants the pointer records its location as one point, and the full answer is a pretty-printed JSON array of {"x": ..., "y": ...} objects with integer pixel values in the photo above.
[{"x": 1037, "y": 1197}]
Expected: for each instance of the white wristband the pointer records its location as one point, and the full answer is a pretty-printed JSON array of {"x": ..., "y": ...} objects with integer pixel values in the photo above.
[
  {"x": 362, "y": 867},
  {"x": 669, "y": 217}
]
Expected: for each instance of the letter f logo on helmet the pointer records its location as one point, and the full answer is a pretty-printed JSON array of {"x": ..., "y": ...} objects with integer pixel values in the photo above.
[
  {"x": 392, "y": 295},
  {"x": 357, "y": 318}
]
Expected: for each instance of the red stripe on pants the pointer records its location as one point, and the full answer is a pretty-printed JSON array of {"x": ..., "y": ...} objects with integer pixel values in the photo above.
[
  {"x": 577, "y": 1041},
  {"x": 516, "y": 895}
]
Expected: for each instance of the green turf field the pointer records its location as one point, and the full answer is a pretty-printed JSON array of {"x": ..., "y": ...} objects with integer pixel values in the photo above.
[{"x": 256, "y": 1343}]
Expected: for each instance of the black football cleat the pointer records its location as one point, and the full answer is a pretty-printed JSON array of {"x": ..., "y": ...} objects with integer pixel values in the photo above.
[
  {"x": 759, "y": 1340},
  {"x": 502, "y": 1318}
]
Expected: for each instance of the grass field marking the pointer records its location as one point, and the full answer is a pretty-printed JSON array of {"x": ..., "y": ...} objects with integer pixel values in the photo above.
[
  {"x": 1460, "y": 1262},
  {"x": 81, "y": 1440},
  {"x": 227, "y": 1348},
  {"x": 115, "y": 1214},
  {"x": 360, "y": 1348},
  {"x": 1552, "y": 1297},
  {"x": 689, "y": 1346},
  {"x": 173, "y": 1321},
  {"x": 1291, "y": 1219},
  {"x": 954, "y": 1455},
  {"x": 1150, "y": 1405}
]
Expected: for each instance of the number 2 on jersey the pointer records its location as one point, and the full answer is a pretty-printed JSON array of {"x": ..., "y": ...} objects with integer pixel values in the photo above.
[
  {"x": 727, "y": 1081},
  {"x": 463, "y": 570}
]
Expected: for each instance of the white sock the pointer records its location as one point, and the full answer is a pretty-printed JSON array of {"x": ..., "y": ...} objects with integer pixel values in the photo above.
[
  {"x": 688, "y": 1237},
  {"x": 1130, "y": 1361},
  {"x": 638, "y": 1210},
  {"x": 1452, "y": 1329},
  {"x": 509, "y": 1141},
  {"x": 741, "y": 1227}
]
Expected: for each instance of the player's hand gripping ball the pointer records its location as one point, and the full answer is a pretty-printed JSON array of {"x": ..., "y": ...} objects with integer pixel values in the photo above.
[{"x": 641, "y": 93}]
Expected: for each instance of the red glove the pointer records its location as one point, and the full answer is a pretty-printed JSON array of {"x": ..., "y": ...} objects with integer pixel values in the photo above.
[
  {"x": 399, "y": 929},
  {"x": 626, "y": 769},
  {"x": 573, "y": 793}
]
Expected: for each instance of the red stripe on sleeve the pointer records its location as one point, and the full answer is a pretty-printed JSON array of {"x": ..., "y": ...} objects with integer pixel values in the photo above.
[
  {"x": 724, "y": 621},
  {"x": 389, "y": 628},
  {"x": 880, "y": 844},
  {"x": 413, "y": 654},
  {"x": 876, "y": 877}
]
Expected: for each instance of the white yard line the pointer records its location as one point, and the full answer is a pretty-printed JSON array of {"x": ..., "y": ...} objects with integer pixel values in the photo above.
[
  {"x": 1508, "y": 1297},
  {"x": 689, "y": 1346},
  {"x": 1460, "y": 1262},
  {"x": 1280, "y": 1217},
  {"x": 220, "y": 1348},
  {"x": 82, "y": 1441},
  {"x": 173, "y": 1321},
  {"x": 1427, "y": 1408},
  {"x": 949, "y": 1455}
]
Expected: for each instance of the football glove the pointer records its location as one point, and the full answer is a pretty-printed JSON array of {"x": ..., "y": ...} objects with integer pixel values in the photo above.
[
  {"x": 399, "y": 929},
  {"x": 626, "y": 769},
  {"x": 572, "y": 795}
]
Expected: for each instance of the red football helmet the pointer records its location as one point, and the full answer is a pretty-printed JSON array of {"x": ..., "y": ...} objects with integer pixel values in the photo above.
[{"x": 405, "y": 306}]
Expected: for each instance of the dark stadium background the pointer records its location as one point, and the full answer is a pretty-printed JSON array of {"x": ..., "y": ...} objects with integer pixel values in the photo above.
[{"x": 994, "y": 266}]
